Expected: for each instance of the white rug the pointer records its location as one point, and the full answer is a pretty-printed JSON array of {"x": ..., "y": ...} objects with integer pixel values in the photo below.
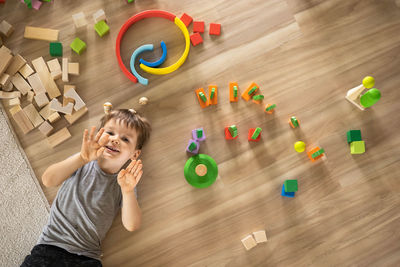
[{"x": 24, "y": 209}]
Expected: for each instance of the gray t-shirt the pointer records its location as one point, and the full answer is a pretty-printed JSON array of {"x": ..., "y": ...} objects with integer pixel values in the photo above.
[{"x": 83, "y": 211}]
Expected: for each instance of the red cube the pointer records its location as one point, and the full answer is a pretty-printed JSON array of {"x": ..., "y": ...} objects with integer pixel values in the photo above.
[
  {"x": 251, "y": 131},
  {"x": 228, "y": 135},
  {"x": 198, "y": 26},
  {"x": 215, "y": 29},
  {"x": 186, "y": 19},
  {"x": 196, "y": 39}
]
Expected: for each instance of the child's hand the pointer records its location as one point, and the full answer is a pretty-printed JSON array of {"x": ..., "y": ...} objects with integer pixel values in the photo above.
[
  {"x": 128, "y": 178},
  {"x": 93, "y": 147}
]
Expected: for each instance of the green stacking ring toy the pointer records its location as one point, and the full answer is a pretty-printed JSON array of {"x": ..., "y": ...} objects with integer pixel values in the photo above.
[{"x": 207, "y": 165}]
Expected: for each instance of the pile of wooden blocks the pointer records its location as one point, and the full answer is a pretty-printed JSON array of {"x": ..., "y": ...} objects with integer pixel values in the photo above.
[{"x": 34, "y": 103}]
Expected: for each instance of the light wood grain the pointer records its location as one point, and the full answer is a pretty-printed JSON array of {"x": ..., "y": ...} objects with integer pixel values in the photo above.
[{"x": 304, "y": 55}]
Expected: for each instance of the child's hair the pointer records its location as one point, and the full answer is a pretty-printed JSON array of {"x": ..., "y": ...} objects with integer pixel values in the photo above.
[{"x": 132, "y": 120}]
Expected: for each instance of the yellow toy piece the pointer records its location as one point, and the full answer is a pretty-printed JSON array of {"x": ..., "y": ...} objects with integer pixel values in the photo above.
[
  {"x": 176, "y": 65},
  {"x": 368, "y": 82},
  {"x": 299, "y": 146}
]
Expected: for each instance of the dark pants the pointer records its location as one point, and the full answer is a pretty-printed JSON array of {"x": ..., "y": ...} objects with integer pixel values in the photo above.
[{"x": 52, "y": 256}]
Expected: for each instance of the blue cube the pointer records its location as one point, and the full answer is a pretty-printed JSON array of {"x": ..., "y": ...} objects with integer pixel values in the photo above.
[{"x": 286, "y": 194}]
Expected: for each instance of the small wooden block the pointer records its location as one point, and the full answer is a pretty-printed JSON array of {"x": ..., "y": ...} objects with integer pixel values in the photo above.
[
  {"x": 16, "y": 63},
  {"x": 67, "y": 100},
  {"x": 5, "y": 58},
  {"x": 202, "y": 104},
  {"x": 76, "y": 115},
  {"x": 79, "y": 20},
  {"x": 245, "y": 94},
  {"x": 53, "y": 65},
  {"x": 73, "y": 68},
  {"x": 20, "y": 83},
  {"x": 21, "y": 119},
  {"x": 65, "y": 69},
  {"x": 71, "y": 93},
  {"x": 249, "y": 242},
  {"x": 8, "y": 87},
  {"x": 55, "y": 75},
  {"x": 26, "y": 70},
  {"x": 99, "y": 15},
  {"x": 44, "y": 74},
  {"x": 59, "y": 137},
  {"x": 14, "y": 102},
  {"x": 54, "y": 117},
  {"x": 45, "y": 128},
  {"x": 4, "y": 79},
  {"x": 41, "y": 34},
  {"x": 33, "y": 115},
  {"x": 213, "y": 101},
  {"x": 6, "y": 29},
  {"x": 41, "y": 99},
  {"x": 56, "y": 106},
  {"x": 9, "y": 95},
  {"x": 232, "y": 98},
  {"x": 260, "y": 236},
  {"x": 45, "y": 112},
  {"x": 29, "y": 96},
  {"x": 36, "y": 84}
]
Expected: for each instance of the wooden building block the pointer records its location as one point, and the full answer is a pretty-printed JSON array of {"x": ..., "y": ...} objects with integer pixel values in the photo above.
[
  {"x": 45, "y": 112},
  {"x": 56, "y": 106},
  {"x": 26, "y": 70},
  {"x": 260, "y": 236},
  {"x": 99, "y": 15},
  {"x": 73, "y": 68},
  {"x": 45, "y": 128},
  {"x": 36, "y": 84},
  {"x": 202, "y": 103},
  {"x": 41, "y": 99},
  {"x": 67, "y": 100},
  {"x": 5, "y": 58},
  {"x": 55, "y": 75},
  {"x": 45, "y": 77},
  {"x": 6, "y": 28},
  {"x": 21, "y": 119},
  {"x": 53, "y": 65},
  {"x": 14, "y": 102},
  {"x": 249, "y": 242},
  {"x": 233, "y": 92},
  {"x": 33, "y": 115},
  {"x": 250, "y": 91},
  {"x": 8, "y": 87},
  {"x": 9, "y": 95},
  {"x": 76, "y": 115},
  {"x": 65, "y": 69},
  {"x": 214, "y": 99},
  {"x": 79, "y": 20},
  {"x": 29, "y": 96},
  {"x": 20, "y": 83},
  {"x": 54, "y": 117},
  {"x": 4, "y": 79},
  {"x": 59, "y": 137},
  {"x": 16, "y": 63},
  {"x": 41, "y": 34},
  {"x": 71, "y": 93}
]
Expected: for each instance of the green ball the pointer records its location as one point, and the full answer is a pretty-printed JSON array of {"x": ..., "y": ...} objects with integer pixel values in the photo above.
[
  {"x": 368, "y": 82},
  {"x": 370, "y": 97},
  {"x": 299, "y": 146}
]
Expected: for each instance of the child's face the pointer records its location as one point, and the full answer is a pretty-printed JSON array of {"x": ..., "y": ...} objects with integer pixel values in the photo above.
[{"x": 122, "y": 141}]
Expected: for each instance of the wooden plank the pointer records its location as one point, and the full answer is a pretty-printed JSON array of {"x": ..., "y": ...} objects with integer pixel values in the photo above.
[
  {"x": 65, "y": 69},
  {"x": 20, "y": 83},
  {"x": 5, "y": 58},
  {"x": 9, "y": 95},
  {"x": 26, "y": 70},
  {"x": 33, "y": 115},
  {"x": 4, "y": 79},
  {"x": 41, "y": 99},
  {"x": 59, "y": 137},
  {"x": 44, "y": 74},
  {"x": 43, "y": 34},
  {"x": 21, "y": 119},
  {"x": 76, "y": 115},
  {"x": 16, "y": 63},
  {"x": 36, "y": 83}
]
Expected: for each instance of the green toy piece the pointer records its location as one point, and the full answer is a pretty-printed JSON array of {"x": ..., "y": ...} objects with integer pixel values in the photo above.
[
  {"x": 192, "y": 146},
  {"x": 370, "y": 97},
  {"x": 201, "y": 181},
  {"x": 203, "y": 97},
  {"x": 252, "y": 90},
  {"x": 318, "y": 153},
  {"x": 294, "y": 122},
  {"x": 212, "y": 93},
  {"x": 28, "y": 3},
  {"x": 256, "y": 133},
  {"x": 368, "y": 82},
  {"x": 353, "y": 135},
  {"x": 233, "y": 130},
  {"x": 258, "y": 97},
  {"x": 199, "y": 133},
  {"x": 130, "y": 1},
  {"x": 270, "y": 107},
  {"x": 78, "y": 45},
  {"x": 291, "y": 186},
  {"x": 235, "y": 91},
  {"x": 56, "y": 49},
  {"x": 357, "y": 147},
  {"x": 101, "y": 28}
]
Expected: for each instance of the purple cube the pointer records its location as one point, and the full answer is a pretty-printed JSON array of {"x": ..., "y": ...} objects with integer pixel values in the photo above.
[
  {"x": 193, "y": 147},
  {"x": 199, "y": 134}
]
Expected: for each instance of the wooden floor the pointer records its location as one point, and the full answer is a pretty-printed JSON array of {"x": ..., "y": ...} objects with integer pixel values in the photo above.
[{"x": 305, "y": 55}]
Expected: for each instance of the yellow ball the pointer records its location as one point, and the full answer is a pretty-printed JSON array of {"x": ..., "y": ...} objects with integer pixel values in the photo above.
[
  {"x": 368, "y": 82},
  {"x": 299, "y": 146}
]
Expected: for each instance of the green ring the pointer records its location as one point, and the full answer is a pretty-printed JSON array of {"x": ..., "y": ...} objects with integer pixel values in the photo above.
[{"x": 201, "y": 181}]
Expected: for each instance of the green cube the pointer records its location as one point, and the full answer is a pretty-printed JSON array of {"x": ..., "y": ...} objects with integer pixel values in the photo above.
[
  {"x": 101, "y": 28},
  {"x": 130, "y": 1},
  {"x": 357, "y": 147},
  {"x": 291, "y": 186},
  {"x": 78, "y": 45},
  {"x": 56, "y": 49},
  {"x": 353, "y": 135},
  {"x": 256, "y": 133}
]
